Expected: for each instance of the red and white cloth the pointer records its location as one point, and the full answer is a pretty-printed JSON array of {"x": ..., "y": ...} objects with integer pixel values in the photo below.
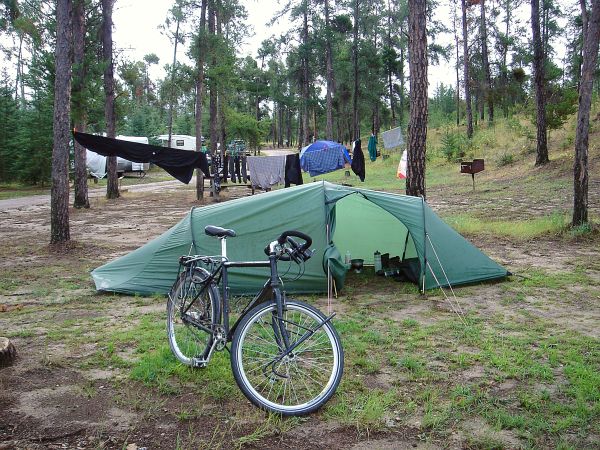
[{"x": 401, "y": 173}]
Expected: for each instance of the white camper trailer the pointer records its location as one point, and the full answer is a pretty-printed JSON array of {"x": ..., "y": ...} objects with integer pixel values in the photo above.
[
  {"x": 180, "y": 141},
  {"x": 96, "y": 163}
]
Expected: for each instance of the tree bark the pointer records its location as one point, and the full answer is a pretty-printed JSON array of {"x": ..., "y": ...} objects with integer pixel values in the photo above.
[
  {"x": 112, "y": 187},
  {"x": 417, "y": 125},
  {"x": 173, "y": 71},
  {"x": 580, "y": 169},
  {"x": 487, "y": 91},
  {"x": 467, "y": 77},
  {"x": 199, "y": 95},
  {"x": 8, "y": 352},
  {"x": 330, "y": 81},
  {"x": 59, "y": 194},
  {"x": 280, "y": 112},
  {"x": 221, "y": 99},
  {"x": 389, "y": 72},
  {"x": 540, "y": 85},
  {"x": 355, "y": 115},
  {"x": 504, "y": 69},
  {"x": 214, "y": 133},
  {"x": 454, "y": 20},
  {"x": 402, "y": 77},
  {"x": 305, "y": 77},
  {"x": 81, "y": 199}
]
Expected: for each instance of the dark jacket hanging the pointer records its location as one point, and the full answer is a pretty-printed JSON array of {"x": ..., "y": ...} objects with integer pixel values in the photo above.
[
  {"x": 178, "y": 163},
  {"x": 358, "y": 161},
  {"x": 293, "y": 175}
]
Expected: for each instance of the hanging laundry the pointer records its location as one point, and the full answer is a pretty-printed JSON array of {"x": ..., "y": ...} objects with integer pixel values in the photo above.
[
  {"x": 293, "y": 175},
  {"x": 373, "y": 147},
  {"x": 358, "y": 161},
  {"x": 178, "y": 163},
  {"x": 266, "y": 171},
  {"x": 243, "y": 164},
  {"x": 401, "y": 173},
  {"x": 322, "y": 157},
  {"x": 392, "y": 138}
]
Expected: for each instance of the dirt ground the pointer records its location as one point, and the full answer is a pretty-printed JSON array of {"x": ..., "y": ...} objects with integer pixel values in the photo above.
[{"x": 45, "y": 397}]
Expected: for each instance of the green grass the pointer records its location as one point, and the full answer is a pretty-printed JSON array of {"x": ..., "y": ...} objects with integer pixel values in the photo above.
[
  {"x": 521, "y": 230},
  {"x": 16, "y": 190}
]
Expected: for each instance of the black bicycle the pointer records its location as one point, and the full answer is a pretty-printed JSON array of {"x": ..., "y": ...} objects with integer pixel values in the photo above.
[{"x": 286, "y": 355}]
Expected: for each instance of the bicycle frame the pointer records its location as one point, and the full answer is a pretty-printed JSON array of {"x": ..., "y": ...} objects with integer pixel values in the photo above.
[{"x": 270, "y": 290}]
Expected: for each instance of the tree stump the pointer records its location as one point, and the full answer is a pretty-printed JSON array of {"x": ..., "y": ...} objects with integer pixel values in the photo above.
[{"x": 8, "y": 352}]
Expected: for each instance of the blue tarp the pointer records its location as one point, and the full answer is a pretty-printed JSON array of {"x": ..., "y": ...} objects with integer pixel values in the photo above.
[{"x": 323, "y": 157}]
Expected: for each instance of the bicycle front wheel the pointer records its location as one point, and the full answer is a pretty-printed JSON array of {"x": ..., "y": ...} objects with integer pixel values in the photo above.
[
  {"x": 192, "y": 311},
  {"x": 291, "y": 383}
]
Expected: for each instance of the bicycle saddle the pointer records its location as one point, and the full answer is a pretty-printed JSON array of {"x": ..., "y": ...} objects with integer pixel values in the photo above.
[{"x": 212, "y": 230}]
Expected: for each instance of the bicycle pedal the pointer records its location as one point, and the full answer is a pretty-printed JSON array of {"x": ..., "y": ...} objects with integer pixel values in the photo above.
[{"x": 199, "y": 363}]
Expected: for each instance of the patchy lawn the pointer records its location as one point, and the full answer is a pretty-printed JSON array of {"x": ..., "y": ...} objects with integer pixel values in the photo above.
[{"x": 520, "y": 368}]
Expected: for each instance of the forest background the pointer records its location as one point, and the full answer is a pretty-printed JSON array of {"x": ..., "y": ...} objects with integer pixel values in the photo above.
[{"x": 340, "y": 72}]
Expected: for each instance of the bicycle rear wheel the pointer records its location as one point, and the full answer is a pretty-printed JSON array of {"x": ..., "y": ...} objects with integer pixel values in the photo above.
[
  {"x": 192, "y": 311},
  {"x": 298, "y": 383}
]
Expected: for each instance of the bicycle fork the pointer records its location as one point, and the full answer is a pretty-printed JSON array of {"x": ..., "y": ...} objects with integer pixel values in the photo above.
[{"x": 278, "y": 323}]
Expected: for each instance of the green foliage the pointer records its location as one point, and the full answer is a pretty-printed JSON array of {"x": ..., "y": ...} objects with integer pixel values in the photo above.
[
  {"x": 562, "y": 103},
  {"x": 454, "y": 145},
  {"x": 246, "y": 127},
  {"x": 506, "y": 159}
]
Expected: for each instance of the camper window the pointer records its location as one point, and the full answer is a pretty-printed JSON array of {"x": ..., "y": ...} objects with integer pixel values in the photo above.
[{"x": 179, "y": 143}]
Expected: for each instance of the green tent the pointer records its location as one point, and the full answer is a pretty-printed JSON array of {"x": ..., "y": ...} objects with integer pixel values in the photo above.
[{"x": 338, "y": 218}]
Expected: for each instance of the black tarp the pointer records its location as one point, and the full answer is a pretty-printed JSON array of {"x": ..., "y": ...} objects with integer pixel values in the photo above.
[{"x": 178, "y": 163}]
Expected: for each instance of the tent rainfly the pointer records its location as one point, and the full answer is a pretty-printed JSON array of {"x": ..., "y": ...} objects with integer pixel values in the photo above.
[{"x": 338, "y": 218}]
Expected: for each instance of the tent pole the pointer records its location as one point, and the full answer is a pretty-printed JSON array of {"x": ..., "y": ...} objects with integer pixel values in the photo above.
[
  {"x": 328, "y": 273},
  {"x": 192, "y": 230}
]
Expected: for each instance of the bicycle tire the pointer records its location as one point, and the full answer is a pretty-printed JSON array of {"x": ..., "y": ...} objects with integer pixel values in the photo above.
[
  {"x": 318, "y": 362},
  {"x": 189, "y": 343}
]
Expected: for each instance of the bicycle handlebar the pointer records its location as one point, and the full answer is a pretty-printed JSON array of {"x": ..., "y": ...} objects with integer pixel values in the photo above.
[
  {"x": 293, "y": 233},
  {"x": 297, "y": 252}
]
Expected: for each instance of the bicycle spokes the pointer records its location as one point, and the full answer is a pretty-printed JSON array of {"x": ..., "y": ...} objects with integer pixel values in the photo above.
[{"x": 289, "y": 375}]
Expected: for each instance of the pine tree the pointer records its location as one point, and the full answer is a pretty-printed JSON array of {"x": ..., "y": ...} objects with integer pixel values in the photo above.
[
  {"x": 59, "y": 194},
  {"x": 417, "y": 126},
  {"x": 580, "y": 170},
  {"x": 112, "y": 187}
]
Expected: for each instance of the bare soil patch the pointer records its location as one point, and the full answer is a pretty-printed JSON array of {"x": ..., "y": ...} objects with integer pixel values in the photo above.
[{"x": 63, "y": 393}]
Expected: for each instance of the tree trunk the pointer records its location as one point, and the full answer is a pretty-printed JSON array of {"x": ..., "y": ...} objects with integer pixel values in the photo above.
[
  {"x": 417, "y": 126},
  {"x": 329, "y": 95},
  {"x": 79, "y": 111},
  {"x": 214, "y": 133},
  {"x": 305, "y": 77},
  {"x": 172, "y": 96},
  {"x": 454, "y": 20},
  {"x": 19, "y": 77},
  {"x": 504, "y": 69},
  {"x": 59, "y": 194},
  {"x": 8, "y": 352},
  {"x": 467, "y": 77},
  {"x": 112, "y": 187},
  {"x": 221, "y": 99},
  {"x": 487, "y": 91},
  {"x": 281, "y": 113},
  {"x": 199, "y": 95},
  {"x": 580, "y": 169},
  {"x": 389, "y": 72},
  {"x": 402, "y": 78},
  {"x": 289, "y": 128},
  {"x": 540, "y": 88},
  {"x": 355, "y": 116},
  {"x": 584, "y": 22}
]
